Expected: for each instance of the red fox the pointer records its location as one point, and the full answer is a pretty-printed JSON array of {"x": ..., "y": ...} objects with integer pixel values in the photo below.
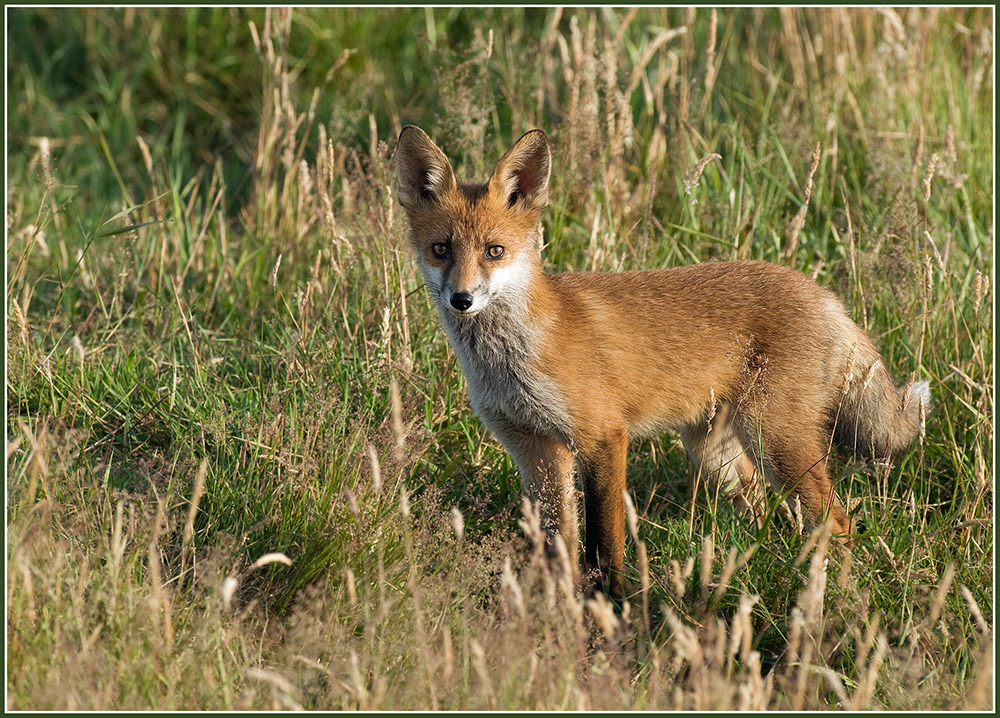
[{"x": 755, "y": 365}]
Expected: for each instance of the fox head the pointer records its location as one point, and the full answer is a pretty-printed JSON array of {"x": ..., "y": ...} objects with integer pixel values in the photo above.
[{"x": 475, "y": 243}]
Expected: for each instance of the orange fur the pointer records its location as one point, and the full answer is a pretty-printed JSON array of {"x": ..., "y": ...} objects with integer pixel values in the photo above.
[{"x": 755, "y": 365}]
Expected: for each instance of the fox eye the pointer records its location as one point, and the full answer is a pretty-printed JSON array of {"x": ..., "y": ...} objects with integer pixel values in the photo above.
[
  {"x": 440, "y": 249},
  {"x": 495, "y": 251}
]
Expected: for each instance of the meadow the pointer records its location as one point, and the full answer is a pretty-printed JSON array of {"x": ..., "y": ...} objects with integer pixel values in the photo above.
[{"x": 242, "y": 472}]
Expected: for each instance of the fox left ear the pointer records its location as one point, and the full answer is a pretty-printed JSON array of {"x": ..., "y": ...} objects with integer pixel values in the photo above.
[
  {"x": 522, "y": 175},
  {"x": 423, "y": 173}
]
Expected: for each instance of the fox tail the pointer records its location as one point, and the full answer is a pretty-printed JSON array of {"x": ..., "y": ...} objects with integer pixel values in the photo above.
[{"x": 876, "y": 418}]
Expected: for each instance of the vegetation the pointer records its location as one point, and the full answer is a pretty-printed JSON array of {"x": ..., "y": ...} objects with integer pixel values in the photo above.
[{"x": 242, "y": 472}]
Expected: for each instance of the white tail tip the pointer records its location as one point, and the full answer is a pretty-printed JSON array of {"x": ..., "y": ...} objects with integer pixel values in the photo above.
[{"x": 922, "y": 391}]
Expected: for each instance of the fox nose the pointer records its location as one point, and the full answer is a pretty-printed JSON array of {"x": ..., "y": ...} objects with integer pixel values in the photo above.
[{"x": 461, "y": 301}]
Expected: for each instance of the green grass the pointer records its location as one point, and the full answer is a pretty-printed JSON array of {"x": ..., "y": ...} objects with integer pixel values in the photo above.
[{"x": 209, "y": 285}]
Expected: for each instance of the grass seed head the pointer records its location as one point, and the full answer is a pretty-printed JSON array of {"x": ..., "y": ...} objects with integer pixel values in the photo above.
[{"x": 931, "y": 167}]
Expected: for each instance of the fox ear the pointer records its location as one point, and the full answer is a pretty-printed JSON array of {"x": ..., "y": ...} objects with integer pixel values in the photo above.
[
  {"x": 522, "y": 175},
  {"x": 423, "y": 173}
]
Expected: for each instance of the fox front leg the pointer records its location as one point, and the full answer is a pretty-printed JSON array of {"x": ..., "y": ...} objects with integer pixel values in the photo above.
[
  {"x": 602, "y": 467},
  {"x": 546, "y": 467}
]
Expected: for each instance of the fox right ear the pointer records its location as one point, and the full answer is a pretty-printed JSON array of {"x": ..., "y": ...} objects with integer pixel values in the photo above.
[
  {"x": 423, "y": 173},
  {"x": 522, "y": 175}
]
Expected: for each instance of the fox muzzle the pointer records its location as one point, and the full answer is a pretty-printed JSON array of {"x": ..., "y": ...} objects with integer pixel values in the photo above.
[{"x": 461, "y": 301}]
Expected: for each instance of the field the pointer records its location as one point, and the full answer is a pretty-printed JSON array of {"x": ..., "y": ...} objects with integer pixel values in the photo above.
[{"x": 242, "y": 471}]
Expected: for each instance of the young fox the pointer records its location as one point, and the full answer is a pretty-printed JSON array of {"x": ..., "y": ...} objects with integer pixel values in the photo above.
[{"x": 756, "y": 366}]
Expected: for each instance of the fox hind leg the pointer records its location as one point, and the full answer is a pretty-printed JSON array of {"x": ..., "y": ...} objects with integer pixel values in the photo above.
[
  {"x": 717, "y": 454},
  {"x": 794, "y": 459}
]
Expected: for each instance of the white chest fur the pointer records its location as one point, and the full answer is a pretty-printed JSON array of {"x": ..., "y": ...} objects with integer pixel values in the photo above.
[{"x": 496, "y": 350}]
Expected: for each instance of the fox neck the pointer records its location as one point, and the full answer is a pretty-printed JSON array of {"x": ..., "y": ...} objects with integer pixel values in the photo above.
[
  {"x": 504, "y": 331},
  {"x": 497, "y": 349}
]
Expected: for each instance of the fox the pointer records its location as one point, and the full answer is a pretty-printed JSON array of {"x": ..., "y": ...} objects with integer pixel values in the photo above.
[{"x": 757, "y": 367}]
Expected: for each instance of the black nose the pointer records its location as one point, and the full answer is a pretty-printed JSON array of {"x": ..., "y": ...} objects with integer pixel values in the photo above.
[{"x": 461, "y": 301}]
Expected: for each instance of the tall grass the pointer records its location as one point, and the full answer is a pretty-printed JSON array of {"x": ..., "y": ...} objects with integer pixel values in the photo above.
[{"x": 242, "y": 472}]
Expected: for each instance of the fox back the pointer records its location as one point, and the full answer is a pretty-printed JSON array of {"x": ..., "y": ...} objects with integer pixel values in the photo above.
[{"x": 755, "y": 365}]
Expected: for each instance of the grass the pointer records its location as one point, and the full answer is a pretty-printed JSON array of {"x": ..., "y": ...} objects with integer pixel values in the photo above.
[{"x": 219, "y": 349}]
